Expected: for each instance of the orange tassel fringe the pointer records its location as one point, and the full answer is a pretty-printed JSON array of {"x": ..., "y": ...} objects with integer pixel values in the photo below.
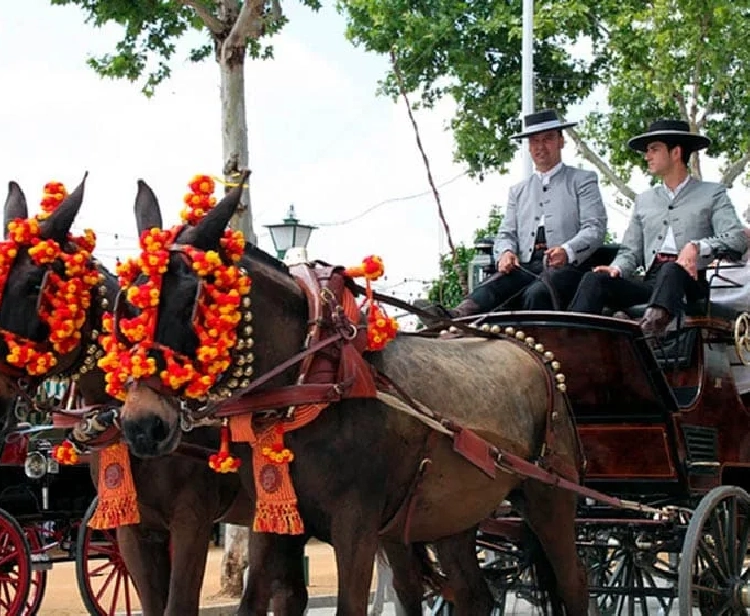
[{"x": 117, "y": 500}]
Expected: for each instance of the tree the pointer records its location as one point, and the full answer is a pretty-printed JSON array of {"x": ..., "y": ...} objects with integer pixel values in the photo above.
[
  {"x": 684, "y": 58},
  {"x": 233, "y": 29}
]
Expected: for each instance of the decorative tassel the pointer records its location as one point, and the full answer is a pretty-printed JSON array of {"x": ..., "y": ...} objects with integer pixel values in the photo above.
[
  {"x": 65, "y": 453},
  {"x": 117, "y": 500},
  {"x": 223, "y": 461}
]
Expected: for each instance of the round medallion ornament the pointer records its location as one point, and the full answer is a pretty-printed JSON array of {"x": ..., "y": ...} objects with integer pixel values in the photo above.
[
  {"x": 270, "y": 478},
  {"x": 113, "y": 475}
]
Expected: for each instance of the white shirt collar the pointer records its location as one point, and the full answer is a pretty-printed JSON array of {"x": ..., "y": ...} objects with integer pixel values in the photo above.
[
  {"x": 545, "y": 176},
  {"x": 673, "y": 193}
]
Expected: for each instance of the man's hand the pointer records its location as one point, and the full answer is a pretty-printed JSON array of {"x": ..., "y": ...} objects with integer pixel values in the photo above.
[
  {"x": 556, "y": 257},
  {"x": 688, "y": 259},
  {"x": 614, "y": 272},
  {"x": 507, "y": 263}
]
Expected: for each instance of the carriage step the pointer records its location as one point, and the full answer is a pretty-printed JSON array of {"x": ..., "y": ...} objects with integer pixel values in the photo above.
[{"x": 41, "y": 562}]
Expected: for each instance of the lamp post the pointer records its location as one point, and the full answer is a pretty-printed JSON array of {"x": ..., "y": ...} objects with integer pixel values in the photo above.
[{"x": 289, "y": 234}]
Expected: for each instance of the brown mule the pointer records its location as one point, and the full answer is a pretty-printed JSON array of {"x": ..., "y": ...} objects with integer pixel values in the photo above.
[{"x": 355, "y": 465}]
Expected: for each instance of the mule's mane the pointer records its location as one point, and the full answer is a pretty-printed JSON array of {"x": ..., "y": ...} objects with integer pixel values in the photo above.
[{"x": 257, "y": 254}]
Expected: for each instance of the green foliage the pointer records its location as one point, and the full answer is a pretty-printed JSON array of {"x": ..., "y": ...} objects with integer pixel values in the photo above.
[
  {"x": 151, "y": 29},
  {"x": 684, "y": 58},
  {"x": 447, "y": 289},
  {"x": 470, "y": 50}
]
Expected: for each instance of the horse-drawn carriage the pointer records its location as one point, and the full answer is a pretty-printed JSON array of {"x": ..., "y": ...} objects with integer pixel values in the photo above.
[
  {"x": 666, "y": 435},
  {"x": 44, "y": 510}
]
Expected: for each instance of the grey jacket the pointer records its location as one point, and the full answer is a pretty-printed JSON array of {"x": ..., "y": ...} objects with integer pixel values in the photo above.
[
  {"x": 573, "y": 212},
  {"x": 701, "y": 212}
]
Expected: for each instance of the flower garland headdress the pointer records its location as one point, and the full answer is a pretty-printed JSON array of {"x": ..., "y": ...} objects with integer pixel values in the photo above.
[
  {"x": 221, "y": 306},
  {"x": 65, "y": 298}
]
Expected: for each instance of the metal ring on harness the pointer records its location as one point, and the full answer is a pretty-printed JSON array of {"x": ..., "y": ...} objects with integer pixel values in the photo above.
[{"x": 742, "y": 338}]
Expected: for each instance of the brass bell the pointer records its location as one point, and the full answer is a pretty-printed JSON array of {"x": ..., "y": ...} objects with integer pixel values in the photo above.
[
  {"x": 233, "y": 383},
  {"x": 555, "y": 365},
  {"x": 549, "y": 356},
  {"x": 248, "y": 371},
  {"x": 246, "y": 302},
  {"x": 539, "y": 348},
  {"x": 530, "y": 341},
  {"x": 104, "y": 303},
  {"x": 102, "y": 290},
  {"x": 249, "y": 343},
  {"x": 237, "y": 372},
  {"x": 562, "y": 387},
  {"x": 510, "y": 331},
  {"x": 247, "y": 316},
  {"x": 485, "y": 327},
  {"x": 495, "y": 329},
  {"x": 247, "y": 331},
  {"x": 560, "y": 378},
  {"x": 245, "y": 383},
  {"x": 94, "y": 334},
  {"x": 520, "y": 335},
  {"x": 249, "y": 358}
]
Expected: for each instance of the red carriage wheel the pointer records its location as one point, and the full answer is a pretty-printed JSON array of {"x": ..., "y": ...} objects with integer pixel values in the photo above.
[
  {"x": 15, "y": 566},
  {"x": 103, "y": 579},
  {"x": 40, "y": 564}
]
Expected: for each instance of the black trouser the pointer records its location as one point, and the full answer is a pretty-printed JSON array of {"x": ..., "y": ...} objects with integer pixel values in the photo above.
[
  {"x": 665, "y": 285},
  {"x": 535, "y": 295}
]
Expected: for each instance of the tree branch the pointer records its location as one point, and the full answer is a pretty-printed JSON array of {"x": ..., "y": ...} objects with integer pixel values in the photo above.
[
  {"x": 603, "y": 167},
  {"x": 212, "y": 22},
  {"x": 682, "y": 104},
  {"x": 249, "y": 24},
  {"x": 733, "y": 170}
]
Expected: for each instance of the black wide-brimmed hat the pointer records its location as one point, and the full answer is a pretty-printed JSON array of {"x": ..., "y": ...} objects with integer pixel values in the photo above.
[
  {"x": 540, "y": 122},
  {"x": 669, "y": 131}
]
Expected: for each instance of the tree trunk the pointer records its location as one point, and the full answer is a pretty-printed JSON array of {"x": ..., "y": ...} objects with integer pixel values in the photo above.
[
  {"x": 234, "y": 131},
  {"x": 234, "y": 561},
  {"x": 235, "y": 152}
]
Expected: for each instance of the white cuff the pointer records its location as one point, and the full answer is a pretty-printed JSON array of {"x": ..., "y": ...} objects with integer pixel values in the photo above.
[
  {"x": 705, "y": 249},
  {"x": 569, "y": 252}
]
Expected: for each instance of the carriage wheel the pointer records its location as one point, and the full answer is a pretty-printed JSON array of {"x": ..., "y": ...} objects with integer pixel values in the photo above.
[
  {"x": 631, "y": 570},
  {"x": 103, "y": 579},
  {"x": 714, "y": 578},
  {"x": 38, "y": 583},
  {"x": 15, "y": 566}
]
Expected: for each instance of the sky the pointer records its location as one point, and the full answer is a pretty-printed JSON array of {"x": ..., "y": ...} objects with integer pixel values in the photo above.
[{"x": 320, "y": 138}]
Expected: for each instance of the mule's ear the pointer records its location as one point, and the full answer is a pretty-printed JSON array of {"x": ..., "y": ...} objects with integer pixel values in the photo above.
[
  {"x": 15, "y": 206},
  {"x": 207, "y": 233},
  {"x": 146, "y": 208},
  {"x": 58, "y": 223}
]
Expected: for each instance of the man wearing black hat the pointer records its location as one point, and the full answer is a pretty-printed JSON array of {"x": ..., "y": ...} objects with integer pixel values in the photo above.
[
  {"x": 675, "y": 231},
  {"x": 556, "y": 217}
]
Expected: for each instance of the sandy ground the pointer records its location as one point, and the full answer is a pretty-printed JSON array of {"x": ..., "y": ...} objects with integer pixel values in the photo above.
[{"x": 63, "y": 597}]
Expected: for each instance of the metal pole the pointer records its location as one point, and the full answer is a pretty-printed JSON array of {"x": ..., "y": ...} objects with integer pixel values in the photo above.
[{"x": 527, "y": 75}]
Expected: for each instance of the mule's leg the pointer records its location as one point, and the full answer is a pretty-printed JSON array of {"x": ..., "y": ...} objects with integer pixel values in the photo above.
[
  {"x": 287, "y": 567},
  {"x": 189, "y": 546},
  {"x": 355, "y": 542},
  {"x": 275, "y": 568},
  {"x": 406, "y": 578},
  {"x": 551, "y": 514},
  {"x": 146, "y": 556},
  {"x": 458, "y": 559}
]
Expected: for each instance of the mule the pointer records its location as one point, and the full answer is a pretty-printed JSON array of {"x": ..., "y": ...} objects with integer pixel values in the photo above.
[
  {"x": 179, "y": 498},
  {"x": 355, "y": 466}
]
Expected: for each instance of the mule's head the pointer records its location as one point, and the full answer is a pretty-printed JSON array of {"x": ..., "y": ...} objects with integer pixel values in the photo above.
[
  {"x": 150, "y": 416},
  {"x": 30, "y": 283}
]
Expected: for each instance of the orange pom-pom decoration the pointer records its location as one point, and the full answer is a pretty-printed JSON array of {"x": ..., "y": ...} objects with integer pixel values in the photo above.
[
  {"x": 223, "y": 461},
  {"x": 380, "y": 328},
  {"x": 371, "y": 268},
  {"x": 65, "y": 453}
]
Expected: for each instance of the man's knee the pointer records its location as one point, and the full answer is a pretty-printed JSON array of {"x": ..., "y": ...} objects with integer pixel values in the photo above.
[
  {"x": 593, "y": 280},
  {"x": 537, "y": 297}
]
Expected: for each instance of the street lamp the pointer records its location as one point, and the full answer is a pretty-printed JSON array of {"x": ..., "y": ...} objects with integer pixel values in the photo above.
[{"x": 289, "y": 234}]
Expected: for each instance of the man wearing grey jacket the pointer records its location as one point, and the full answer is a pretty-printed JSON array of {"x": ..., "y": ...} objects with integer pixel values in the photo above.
[
  {"x": 554, "y": 221},
  {"x": 676, "y": 229}
]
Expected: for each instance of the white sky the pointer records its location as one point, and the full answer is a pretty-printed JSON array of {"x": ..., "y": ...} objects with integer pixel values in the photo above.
[{"x": 319, "y": 138}]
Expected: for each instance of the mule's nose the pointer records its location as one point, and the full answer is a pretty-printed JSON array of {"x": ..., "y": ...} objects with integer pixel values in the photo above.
[{"x": 145, "y": 434}]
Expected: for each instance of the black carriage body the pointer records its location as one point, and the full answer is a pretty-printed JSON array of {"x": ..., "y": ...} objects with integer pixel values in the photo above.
[{"x": 659, "y": 425}]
